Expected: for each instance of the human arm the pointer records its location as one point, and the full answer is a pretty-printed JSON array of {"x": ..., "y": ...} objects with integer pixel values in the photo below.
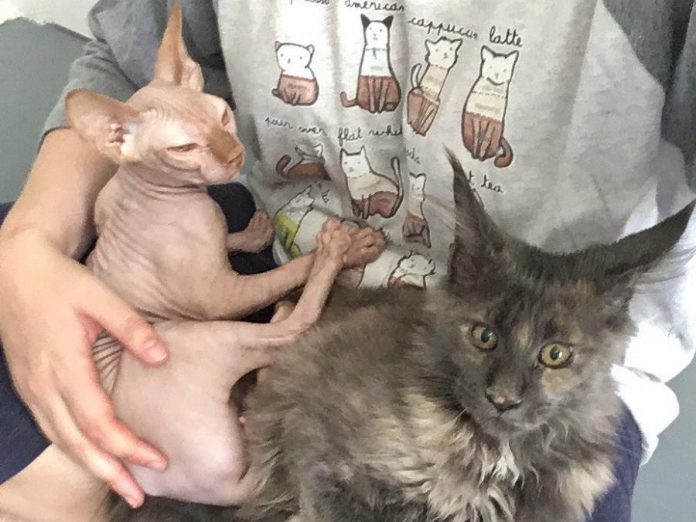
[{"x": 52, "y": 307}]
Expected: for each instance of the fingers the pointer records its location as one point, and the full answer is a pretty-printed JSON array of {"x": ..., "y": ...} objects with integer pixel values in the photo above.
[
  {"x": 97, "y": 462},
  {"x": 88, "y": 402},
  {"x": 132, "y": 331}
]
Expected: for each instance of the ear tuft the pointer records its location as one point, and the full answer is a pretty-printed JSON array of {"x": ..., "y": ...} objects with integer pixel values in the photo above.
[
  {"x": 639, "y": 252},
  {"x": 477, "y": 240}
]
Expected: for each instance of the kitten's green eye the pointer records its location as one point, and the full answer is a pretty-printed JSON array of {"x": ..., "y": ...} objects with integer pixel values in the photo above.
[
  {"x": 556, "y": 355},
  {"x": 484, "y": 337},
  {"x": 183, "y": 148}
]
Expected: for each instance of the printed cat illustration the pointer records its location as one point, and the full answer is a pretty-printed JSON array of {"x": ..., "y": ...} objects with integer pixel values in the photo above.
[
  {"x": 378, "y": 89},
  {"x": 412, "y": 270},
  {"x": 297, "y": 84},
  {"x": 424, "y": 97},
  {"x": 483, "y": 121},
  {"x": 288, "y": 220},
  {"x": 371, "y": 193},
  {"x": 309, "y": 167},
  {"x": 416, "y": 228}
]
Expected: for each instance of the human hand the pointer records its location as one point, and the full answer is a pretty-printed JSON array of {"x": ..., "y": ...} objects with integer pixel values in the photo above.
[{"x": 52, "y": 311}]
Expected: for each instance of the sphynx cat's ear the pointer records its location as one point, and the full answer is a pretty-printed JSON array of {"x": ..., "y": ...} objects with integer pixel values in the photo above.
[
  {"x": 102, "y": 121},
  {"x": 174, "y": 64}
]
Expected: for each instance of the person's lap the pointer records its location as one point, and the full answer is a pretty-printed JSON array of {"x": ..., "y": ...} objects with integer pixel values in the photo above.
[{"x": 21, "y": 441}]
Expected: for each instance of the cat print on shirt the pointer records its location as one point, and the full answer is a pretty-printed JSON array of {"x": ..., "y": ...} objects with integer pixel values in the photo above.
[
  {"x": 289, "y": 218},
  {"x": 424, "y": 98},
  {"x": 311, "y": 165},
  {"x": 412, "y": 270},
  {"x": 297, "y": 84},
  {"x": 416, "y": 228},
  {"x": 371, "y": 193},
  {"x": 378, "y": 89},
  {"x": 483, "y": 121}
]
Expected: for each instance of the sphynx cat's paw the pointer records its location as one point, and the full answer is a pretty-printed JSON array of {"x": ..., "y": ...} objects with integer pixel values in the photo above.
[
  {"x": 367, "y": 244},
  {"x": 258, "y": 235},
  {"x": 333, "y": 245}
]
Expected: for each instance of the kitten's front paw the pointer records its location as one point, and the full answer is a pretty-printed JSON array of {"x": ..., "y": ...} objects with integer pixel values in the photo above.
[
  {"x": 367, "y": 244},
  {"x": 333, "y": 243}
]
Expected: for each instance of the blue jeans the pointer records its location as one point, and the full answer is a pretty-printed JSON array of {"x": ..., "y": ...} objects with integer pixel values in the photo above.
[{"x": 21, "y": 441}]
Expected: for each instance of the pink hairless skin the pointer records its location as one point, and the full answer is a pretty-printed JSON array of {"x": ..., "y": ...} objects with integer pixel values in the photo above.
[{"x": 163, "y": 247}]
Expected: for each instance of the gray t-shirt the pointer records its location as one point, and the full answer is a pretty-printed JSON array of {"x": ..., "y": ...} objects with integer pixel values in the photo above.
[{"x": 574, "y": 120}]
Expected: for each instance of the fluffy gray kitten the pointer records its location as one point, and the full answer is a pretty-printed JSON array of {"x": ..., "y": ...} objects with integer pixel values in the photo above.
[{"x": 489, "y": 400}]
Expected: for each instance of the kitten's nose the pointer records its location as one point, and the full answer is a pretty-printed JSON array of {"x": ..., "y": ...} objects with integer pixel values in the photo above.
[{"x": 501, "y": 402}]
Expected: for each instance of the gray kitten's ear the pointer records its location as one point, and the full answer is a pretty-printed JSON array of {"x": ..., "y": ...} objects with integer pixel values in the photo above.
[
  {"x": 365, "y": 21},
  {"x": 388, "y": 21},
  {"x": 477, "y": 241},
  {"x": 638, "y": 253}
]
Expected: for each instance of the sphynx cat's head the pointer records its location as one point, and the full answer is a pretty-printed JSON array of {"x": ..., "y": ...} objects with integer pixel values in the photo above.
[{"x": 170, "y": 132}]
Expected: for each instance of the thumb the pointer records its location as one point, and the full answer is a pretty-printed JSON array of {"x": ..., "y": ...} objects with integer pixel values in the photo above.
[{"x": 132, "y": 331}]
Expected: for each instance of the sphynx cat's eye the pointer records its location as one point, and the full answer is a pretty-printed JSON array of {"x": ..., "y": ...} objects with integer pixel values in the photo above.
[
  {"x": 484, "y": 337},
  {"x": 556, "y": 355},
  {"x": 188, "y": 147}
]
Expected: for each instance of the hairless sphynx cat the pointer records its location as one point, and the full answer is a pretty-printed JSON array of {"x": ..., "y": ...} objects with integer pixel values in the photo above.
[{"x": 163, "y": 246}]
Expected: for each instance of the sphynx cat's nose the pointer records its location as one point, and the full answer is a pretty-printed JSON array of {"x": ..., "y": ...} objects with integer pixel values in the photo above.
[
  {"x": 226, "y": 148},
  {"x": 501, "y": 402}
]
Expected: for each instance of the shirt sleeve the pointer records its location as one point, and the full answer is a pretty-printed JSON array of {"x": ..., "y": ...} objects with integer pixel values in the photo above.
[
  {"x": 679, "y": 121},
  {"x": 120, "y": 57}
]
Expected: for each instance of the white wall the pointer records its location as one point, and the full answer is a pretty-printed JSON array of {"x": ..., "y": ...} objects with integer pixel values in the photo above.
[{"x": 69, "y": 13}]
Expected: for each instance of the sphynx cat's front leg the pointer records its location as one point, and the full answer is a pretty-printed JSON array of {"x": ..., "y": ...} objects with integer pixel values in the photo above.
[
  {"x": 254, "y": 238},
  {"x": 233, "y": 295},
  {"x": 194, "y": 424}
]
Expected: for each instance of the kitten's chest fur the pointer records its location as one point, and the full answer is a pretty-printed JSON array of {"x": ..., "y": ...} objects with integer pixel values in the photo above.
[
  {"x": 444, "y": 465},
  {"x": 461, "y": 475}
]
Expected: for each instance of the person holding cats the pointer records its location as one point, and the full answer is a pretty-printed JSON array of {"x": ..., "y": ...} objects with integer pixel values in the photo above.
[{"x": 563, "y": 149}]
